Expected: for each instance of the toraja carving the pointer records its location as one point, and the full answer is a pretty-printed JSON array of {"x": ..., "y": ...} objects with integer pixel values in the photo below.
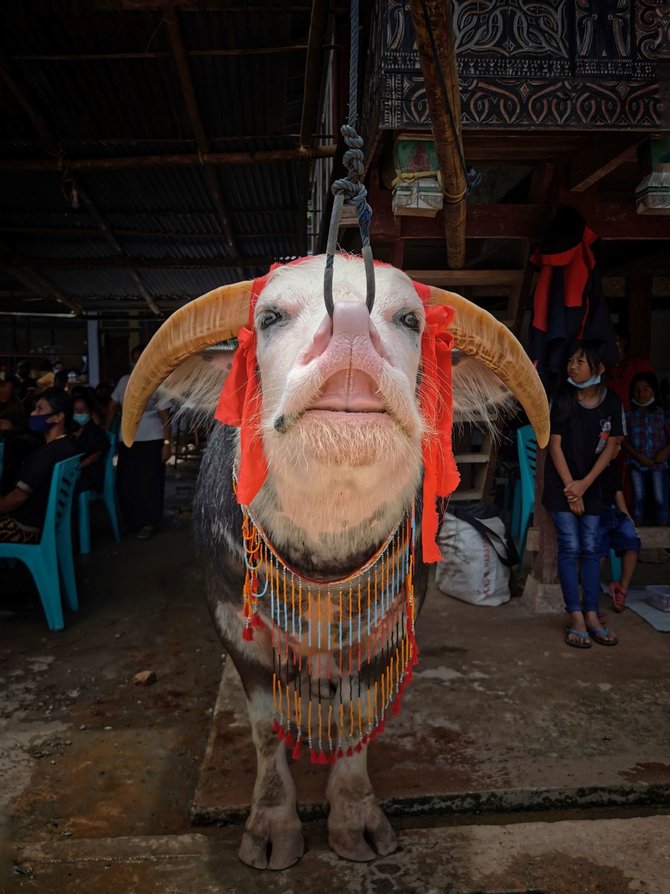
[{"x": 530, "y": 63}]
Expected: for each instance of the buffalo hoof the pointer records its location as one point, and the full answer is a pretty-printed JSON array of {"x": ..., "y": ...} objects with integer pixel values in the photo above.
[
  {"x": 350, "y": 840},
  {"x": 265, "y": 847}
]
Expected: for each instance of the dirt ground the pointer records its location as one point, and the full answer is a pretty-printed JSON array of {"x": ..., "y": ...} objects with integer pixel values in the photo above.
[{"x": 99, "y": 773}]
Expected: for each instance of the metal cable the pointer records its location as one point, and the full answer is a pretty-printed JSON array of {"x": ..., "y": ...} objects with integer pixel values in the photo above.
[{"x": 349, "y": 189}]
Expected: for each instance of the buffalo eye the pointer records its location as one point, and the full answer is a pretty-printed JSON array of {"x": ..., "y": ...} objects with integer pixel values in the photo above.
[
  {"x": 410, "y": 320},
  {"x": 268, "y": 318}
]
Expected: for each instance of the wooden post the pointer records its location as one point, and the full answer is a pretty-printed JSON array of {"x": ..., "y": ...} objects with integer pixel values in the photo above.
[
  {"x": 639, "y": 292},
  {"x": 434, "y": 29}
]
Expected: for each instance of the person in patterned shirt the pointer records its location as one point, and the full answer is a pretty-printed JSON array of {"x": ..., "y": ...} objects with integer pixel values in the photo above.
[{"x": 648, "y": 446}]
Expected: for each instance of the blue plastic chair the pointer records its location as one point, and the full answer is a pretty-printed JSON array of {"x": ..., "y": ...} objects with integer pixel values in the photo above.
[
  {"x": 51, "y": 558},
  {"x": 107, "y": 495},
  {"x": 524, "y": 495}
]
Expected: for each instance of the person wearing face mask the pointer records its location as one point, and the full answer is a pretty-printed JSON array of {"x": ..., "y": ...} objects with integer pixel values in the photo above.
[
  {"x": 647, "y": 447},
  {"x": 23, "y": 508},
  {"x": 586, "y": 425},
  {"x": 90, "y": 441}
]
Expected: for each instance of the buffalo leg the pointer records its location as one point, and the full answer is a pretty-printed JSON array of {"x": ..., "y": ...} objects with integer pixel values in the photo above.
[
  {"x": 272, "y": 835},
  {"x": 355, "y": 816}
]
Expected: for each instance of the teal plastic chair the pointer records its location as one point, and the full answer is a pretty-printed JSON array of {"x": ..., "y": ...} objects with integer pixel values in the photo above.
[
  {"x": 524, "y": 495},
  {"x": 107, "y": 495},
  {"x": 51, "y": 560}
]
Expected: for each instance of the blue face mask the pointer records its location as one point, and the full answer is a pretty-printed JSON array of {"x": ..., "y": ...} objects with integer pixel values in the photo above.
[
  {"x": 82, "y": 418},
  {"x": 39, "y": 424},
  {"x": 594, "y": 380}
]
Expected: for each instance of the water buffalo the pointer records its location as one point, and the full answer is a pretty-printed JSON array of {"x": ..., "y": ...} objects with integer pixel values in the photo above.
[{"x": 315, "y": 507}]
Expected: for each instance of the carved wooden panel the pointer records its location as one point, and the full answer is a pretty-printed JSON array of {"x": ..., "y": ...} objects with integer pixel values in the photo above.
[{"x": 528, "y": 63}]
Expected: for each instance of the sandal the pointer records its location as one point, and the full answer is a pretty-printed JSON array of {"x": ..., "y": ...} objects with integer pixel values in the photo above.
[
  {"x": 618, "y": 595},
  {"x": 602, "y": 636},
  {"x": 583, "y": 641}
]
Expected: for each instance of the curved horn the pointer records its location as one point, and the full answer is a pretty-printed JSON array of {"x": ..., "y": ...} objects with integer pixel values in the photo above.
[
  {"x": 479, "y": 334},
  {"x": 212, "y": 318}
]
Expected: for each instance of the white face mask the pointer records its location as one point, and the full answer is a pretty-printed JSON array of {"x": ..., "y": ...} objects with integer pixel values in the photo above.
[
  {"x": 594, "y": 380},
  {"x": 647, "y": 403}
]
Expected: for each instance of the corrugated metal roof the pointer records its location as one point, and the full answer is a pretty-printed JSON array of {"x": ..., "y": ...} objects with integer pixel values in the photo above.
[{"x": 101, "y": 80}]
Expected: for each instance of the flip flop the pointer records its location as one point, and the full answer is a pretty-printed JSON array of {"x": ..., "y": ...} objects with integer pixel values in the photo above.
[
  {"x": 618, "y": 595},
  {"x": 584, "y": 637},
  {"x": 600, "y": 636}
]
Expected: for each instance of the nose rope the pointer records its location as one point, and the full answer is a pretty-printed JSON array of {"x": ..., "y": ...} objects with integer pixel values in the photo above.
[{"x": 349, "y": 189}]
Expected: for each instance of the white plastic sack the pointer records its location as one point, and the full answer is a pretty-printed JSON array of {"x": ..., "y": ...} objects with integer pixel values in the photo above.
[{"x": 472, "y": 570}]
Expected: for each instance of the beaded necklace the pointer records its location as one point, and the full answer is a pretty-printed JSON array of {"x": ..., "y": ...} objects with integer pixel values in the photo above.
[{"x": 342, "y": 650}]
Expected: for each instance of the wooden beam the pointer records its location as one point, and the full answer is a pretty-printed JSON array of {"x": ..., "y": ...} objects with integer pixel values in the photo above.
[
  {"x": 32, "y": 280},
  {"x": 193, "y": 111},
  {"x": 264, "y": 156},
  {"x": 434, "y": 30},
  {"x": 453, "y": 278},
  {"x": 313, "y": 69},
  {"x": 122, "y": 262},
  {"x": 615, "y": 220},
  {"x": 51, "y": 144},
  {"x": 598, "y": 160},
  {"x": 112, "y": 57}
]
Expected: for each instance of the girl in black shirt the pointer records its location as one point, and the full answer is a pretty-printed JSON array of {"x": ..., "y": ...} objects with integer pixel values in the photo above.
[{"x": 586, "y": 420}]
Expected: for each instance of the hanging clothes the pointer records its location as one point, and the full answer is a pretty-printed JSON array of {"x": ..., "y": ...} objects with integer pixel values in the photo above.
[{"x": 567, "y": 304}]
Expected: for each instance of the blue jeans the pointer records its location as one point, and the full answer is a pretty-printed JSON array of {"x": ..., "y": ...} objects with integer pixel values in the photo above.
[
  {"x": 578, "y": 538},
  {"x": 659, "y": 489}
]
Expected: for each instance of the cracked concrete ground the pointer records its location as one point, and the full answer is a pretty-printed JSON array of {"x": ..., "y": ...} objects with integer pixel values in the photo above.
[{"x": 516, "y": 764}]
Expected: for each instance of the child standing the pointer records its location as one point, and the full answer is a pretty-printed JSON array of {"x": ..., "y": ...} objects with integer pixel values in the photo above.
[
  {"x": 586, "y": 421},
  {"x": 617, "y": 532},
  {"x": 647, "y": 446}
]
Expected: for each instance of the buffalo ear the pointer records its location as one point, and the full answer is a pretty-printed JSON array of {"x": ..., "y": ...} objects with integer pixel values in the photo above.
[
  {"x": 194, "y": 387},
  {"x": 176, "y": 358},
  {"x": 479, "y": 395}
]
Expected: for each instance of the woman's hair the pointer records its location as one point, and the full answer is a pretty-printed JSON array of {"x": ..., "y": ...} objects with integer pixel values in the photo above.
[
  {"x": 59, "y": 402},
  {"x": 564, "y": 399},
  {"x": 650, "y": 379},
  {"x": 86, "y": 396}
]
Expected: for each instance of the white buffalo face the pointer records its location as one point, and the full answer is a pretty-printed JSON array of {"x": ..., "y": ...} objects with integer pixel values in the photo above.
[
  {"x": 340, "y": 421},
  {"x": 339, "y": 395}
]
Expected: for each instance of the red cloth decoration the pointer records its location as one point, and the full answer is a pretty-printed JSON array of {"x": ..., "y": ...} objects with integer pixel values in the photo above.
[
  {"x": 240, "y": 406},
  {"x": 440, "y": 476},
  {"x": 578, "y": 263}
]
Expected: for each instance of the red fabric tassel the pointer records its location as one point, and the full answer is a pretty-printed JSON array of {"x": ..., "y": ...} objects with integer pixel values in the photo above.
[
  {"x": 256, "y": 620},
  {"x": 312, "y": 756},
  {"x": 275, "y": 726},
  {"x": 358, "y": 747},
  {"x": 340, "y": 753},
  {"x": 350, "y": 751},
  {"x": 247, "y": 634},
  {"x": 365, "y": 739},
  {"x": 332, "y": 757},
  {"x": 281, "y": 735},
  {"x": 441, "y": 477},
  {"x": 321, "y": 759},
  {"x": 295, "y": 754},
  {"x": 395, "y": 707},
  {"x": 289, "y": 739}
]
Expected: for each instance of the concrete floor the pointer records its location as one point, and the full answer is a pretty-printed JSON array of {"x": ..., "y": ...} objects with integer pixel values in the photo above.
[{"x": 516, "y": 765}]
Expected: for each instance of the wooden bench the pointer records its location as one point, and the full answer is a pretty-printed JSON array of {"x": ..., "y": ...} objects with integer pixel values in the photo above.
[{"x": 651, "y": 537}]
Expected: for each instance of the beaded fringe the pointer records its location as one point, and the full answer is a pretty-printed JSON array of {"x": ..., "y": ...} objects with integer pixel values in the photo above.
[{"x": 354, "y": 638}]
